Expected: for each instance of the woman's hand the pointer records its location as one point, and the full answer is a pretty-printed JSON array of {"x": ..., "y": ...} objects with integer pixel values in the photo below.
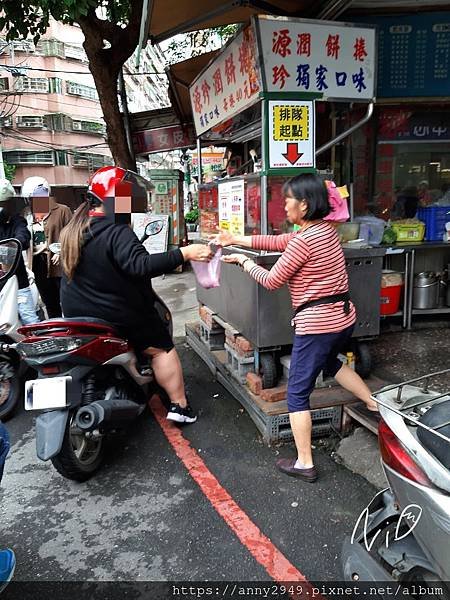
[
  {"x": 200, "y": 252},
  {"x": 223, "y": 238},
  {"x": 55, "y": 259},
  {"x": 236, "y": 259}
]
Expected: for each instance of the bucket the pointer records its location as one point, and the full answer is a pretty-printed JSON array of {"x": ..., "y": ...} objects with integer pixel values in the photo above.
[
  {"x": 426, "y": 290},
  {"x": 391, "y": 292}
]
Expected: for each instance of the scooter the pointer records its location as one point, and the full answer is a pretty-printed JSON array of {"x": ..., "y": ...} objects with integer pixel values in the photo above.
[
  {"x": 12, "y": 368},
  {"x": 90, "y": 384},
  {"x": 403, "y": 536}
]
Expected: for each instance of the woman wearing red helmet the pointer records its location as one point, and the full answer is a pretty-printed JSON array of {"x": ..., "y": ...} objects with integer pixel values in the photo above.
[{"x": 107, "y": 275}]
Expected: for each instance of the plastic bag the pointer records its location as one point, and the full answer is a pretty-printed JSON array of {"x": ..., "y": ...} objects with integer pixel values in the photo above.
[
  {"x": 337, "y": 199},
  {"x": 208, "y": 273}
]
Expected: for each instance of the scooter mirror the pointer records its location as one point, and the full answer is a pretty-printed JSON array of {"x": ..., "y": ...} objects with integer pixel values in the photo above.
[
  {"x": 154, "y": 228},
  {"x": 10, "y": 251}
]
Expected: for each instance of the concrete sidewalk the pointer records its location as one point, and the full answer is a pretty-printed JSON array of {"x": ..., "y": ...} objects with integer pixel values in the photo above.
[{"x": 397, "y": 355}]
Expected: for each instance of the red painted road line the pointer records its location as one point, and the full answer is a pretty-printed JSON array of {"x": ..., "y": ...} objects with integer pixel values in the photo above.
[{"x": 262, "y": 549}]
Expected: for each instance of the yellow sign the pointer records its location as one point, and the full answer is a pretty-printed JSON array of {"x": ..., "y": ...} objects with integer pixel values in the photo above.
[{"x": 291, "y": 122}]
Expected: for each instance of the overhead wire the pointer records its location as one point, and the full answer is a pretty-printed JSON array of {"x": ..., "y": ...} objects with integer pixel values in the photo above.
[
  {"x": 77, "y": 72},
  {"x": 52, "y": 146}
]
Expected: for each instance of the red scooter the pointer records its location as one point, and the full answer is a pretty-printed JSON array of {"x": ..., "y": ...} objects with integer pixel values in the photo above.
[{"x": 90, "y": 384}]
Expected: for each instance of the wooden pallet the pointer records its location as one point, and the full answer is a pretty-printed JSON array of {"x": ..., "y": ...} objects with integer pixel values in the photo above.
[{"x": 272, "y": 418}]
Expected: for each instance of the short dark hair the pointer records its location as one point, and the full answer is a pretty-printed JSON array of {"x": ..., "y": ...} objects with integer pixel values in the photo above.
[{"x": 313, "y": 190}]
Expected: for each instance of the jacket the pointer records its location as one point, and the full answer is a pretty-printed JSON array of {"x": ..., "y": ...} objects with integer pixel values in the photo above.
[
  {"x": 113, "y": 278},
  {"x": 17, "y": 228},
  {"x": 58, "y": 217}
]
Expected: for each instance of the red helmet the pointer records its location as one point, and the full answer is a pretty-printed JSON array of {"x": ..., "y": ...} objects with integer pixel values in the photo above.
[{"x": 105, "y": 183}]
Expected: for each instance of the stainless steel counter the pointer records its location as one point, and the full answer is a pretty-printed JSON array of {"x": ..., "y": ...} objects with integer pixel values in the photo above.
[{"x": 264, "y": 317}]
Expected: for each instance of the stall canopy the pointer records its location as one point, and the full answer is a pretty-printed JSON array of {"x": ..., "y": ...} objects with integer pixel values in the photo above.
[
  {"x": 180, "y": 76},
  {"x": 167, "y": 18},
  {"x": 172, "y": 120}
]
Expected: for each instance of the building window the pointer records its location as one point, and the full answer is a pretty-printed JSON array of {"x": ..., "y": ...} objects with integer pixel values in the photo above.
[
  {"x": 32, "y": 84},
  {"x": 88, "y": 127},
  {"x": 91, "y": 161},
  {"x": 75, "y": 52},
  {"x": 51, "y": 48},
  {"x": 58, "y": 122},
  {"x": 24, "y": 122},
  {"x": 22, "y": 46},
  {"x": 61, "y": 158},
  {"x": 55, "y": 85},
  {"x": 84, "y": 91},
  {"x": 4, "y": 84},
  {"x": 28, "y": 157},
  {"x": 6, "y": 122}
]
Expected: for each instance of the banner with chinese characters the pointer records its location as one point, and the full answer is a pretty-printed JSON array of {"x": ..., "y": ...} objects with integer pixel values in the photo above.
[
  {"x": 229, "y": 85},
  {"x": 163, "y": 138},
  {"x": 291, "y": 133},
  {"x": 407, "y": 125},
  {"x": 335, "y": 59},
  {"x": 231, "y": 206}
]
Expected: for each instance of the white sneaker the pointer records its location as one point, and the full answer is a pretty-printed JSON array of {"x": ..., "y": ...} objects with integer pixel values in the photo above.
[{"x": 181, "y": 415}]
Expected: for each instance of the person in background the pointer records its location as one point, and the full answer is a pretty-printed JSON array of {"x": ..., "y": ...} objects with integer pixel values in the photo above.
[
  {"x": 424, "y": 194},
  {"x": 12, "y": 225},
  {"x": 406, "y": 204},
  {"x": 7, "y": 557},
  {"x": 312, "y": 264},
  {"x": 46, "y": 227}
]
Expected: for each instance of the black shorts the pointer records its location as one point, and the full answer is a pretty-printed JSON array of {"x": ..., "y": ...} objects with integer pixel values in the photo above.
[{"x": 151, "y": 332}]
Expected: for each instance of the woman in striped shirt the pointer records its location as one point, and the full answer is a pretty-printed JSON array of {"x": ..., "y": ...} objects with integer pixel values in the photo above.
[{"x": 312, "y": 264}]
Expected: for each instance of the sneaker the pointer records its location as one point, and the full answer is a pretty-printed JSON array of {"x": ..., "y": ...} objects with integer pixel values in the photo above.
[
  {"x": 181, "y": 415},
  {"x": 7, "y": 566}
]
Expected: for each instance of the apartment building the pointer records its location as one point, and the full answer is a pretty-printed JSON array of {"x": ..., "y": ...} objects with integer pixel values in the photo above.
[{"x": 50, "y": 116}]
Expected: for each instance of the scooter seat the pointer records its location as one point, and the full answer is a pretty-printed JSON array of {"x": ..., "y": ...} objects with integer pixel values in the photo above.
[
  {"x": 91, "y": 320},
  {"x": 437, "y": 415}
]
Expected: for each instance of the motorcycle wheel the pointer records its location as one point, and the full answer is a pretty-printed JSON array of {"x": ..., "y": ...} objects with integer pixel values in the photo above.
[
  {"x": 10, "y": 389},
  {"x": 79, "y": 457}
]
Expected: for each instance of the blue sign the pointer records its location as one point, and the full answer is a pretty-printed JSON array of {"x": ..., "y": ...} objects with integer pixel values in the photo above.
[{"x": 413, "y": 55}]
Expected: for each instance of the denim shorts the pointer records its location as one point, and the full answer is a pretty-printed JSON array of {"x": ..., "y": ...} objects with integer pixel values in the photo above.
[
  {"x": 311, "y": 354},
  {"x": 27, "y": 307}
]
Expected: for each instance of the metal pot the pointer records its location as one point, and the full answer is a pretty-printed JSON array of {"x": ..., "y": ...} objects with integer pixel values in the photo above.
[{"x": 426, "y": 290}]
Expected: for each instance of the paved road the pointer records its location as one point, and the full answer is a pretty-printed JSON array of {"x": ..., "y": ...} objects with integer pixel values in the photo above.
[{"x": 144, "y": 518}]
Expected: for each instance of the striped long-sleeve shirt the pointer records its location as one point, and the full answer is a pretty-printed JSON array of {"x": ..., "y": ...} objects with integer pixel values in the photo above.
[{"x": 312, "y": 264}]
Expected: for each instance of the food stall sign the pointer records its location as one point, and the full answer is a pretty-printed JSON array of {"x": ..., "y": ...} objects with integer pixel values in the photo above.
[
  {"x": 231, "y": 206},
  {"x": 291, "y": 134},
  {"x": 163, "y": 138},
  {"x": 161, "y": 187},
  {"x": 337, "y": 60},
  {"x": 228, "y": 85}
]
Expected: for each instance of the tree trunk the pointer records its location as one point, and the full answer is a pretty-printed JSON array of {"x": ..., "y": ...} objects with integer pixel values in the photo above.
[
  {"x": 106, "y": 81},
  {"x": 105, "y": 64}
]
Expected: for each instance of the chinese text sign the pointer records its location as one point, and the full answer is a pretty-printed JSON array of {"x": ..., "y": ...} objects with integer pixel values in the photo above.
[
  {"x": 335, "y": 60},
  {"x": 231, "y": 206},
  {"x": 228, "y": 85},
  {"x": 291, "y": 133}
]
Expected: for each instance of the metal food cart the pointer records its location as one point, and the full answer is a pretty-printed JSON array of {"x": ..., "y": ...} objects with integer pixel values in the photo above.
[{"x": 268, "y": 105}]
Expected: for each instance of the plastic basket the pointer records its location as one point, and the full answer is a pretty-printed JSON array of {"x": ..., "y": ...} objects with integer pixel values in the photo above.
[
  {"x": 409, "y": 233},
  {"x": 435, "y": 218}
]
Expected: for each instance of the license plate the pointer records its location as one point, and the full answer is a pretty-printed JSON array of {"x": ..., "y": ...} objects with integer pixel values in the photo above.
[{"x": 43, "y": 394}]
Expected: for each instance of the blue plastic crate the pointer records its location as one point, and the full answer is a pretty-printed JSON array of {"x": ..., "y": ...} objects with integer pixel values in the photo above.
[{"x": 435, "y": 218}]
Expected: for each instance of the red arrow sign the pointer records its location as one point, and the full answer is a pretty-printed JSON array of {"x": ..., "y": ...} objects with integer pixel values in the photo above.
[{"x": 292, "y": 154}]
